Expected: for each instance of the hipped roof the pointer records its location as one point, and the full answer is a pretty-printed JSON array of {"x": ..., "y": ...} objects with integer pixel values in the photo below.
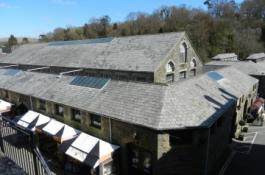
[{"x": 197, "y": 102}]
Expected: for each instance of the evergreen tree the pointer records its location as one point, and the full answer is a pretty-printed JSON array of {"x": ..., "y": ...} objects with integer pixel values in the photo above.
[{"x": 12, "y": 41}]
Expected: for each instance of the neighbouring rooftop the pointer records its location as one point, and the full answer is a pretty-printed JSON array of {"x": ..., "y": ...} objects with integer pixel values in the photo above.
[
  {"x": 226, "y": 57},
  {"x": 247, "y": 67},
  {"x": 256, "y": 56}
]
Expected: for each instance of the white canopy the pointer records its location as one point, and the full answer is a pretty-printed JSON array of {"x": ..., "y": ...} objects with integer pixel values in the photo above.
[
  {"x": 5, "y": 106},
  {"x": 90, "y": 150},
  {"x": 60, "y": 131},
  {"x": 32, "y": 119}
]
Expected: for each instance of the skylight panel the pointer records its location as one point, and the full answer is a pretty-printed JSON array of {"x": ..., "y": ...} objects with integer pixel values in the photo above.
[
  {"x": 11, "y": 72},
  {"x": 91, "y": 82},
  {"x": 215, "y": 75}
]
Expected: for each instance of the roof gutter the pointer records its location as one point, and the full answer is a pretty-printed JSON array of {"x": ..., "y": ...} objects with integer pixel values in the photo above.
[
  {"x": 40, "y": 68},
  {"x": 3, "y": 67},
  {"x": 68, "y": 72}
]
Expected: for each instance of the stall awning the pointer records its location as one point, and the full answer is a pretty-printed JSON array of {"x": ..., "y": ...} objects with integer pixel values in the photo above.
[
  {"x": 32, "y": 119},
  {"x": 59, "y": 131},
  {"x": 89, "y": 150},
  {"x": 5, "y": 106}
]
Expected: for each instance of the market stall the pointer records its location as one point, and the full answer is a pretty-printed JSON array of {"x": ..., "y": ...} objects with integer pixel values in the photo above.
[
  {"x": 93, "y": 152},
  {"x": 31, "y": 120}
]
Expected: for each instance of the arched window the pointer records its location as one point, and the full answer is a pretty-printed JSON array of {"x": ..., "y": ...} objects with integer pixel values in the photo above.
[
  {"x": 170, "y": 67},
  {"x": 183, "y": 52},
  {"x": 193, "y": 63}
]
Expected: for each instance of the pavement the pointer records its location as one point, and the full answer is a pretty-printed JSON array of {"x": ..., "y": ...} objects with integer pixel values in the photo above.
[
  {"x": 8, "y": 167},
  {"x": 248, "y": 157}
]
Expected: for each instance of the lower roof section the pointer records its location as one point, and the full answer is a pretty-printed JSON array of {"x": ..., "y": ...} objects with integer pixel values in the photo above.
[
  {"x": 247, "y": 67},
  {"x": 197, "y": 102}
]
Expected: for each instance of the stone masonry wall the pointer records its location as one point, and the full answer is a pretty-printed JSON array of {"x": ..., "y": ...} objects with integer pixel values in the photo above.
[{"x": 174, "y": 56}]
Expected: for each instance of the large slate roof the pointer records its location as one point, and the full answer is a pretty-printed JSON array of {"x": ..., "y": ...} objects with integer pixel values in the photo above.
[
  {"x": 135, "y": 53},
  {"x": 197, "y": 102},
  {"x": 247, "y": 67}
]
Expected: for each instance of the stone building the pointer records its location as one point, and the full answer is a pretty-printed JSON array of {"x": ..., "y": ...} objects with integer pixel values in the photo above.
[
  {"x": 256, "y": 70},
  {"x": 248, "y": 93},
  {"x": 148, "y": 121},
  {"x": 126, "y": 91},
  {"x": 151, "y": 58}
]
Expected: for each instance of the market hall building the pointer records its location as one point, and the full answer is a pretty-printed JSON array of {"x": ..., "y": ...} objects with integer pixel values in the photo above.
[{"x": 128, "y": 92}]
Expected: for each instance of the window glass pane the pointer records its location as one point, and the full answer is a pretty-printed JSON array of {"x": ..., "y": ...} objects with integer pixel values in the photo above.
[
  {"x": 170, "y": 78},
  {"x": 170, "y": 67},
  {"x": 42, "y": 105},
  {"x": 59, "y": 110},
  {"x": 96, "y": 121},
  {"x": 76, "y": 114},
  {"x": 135, "y": 158},
  {"x": 183, "y": 53},
  {"x": 5, "y": 94},
  {"x": 182, "y": 75},
  {"x": 147, "y": 164}
]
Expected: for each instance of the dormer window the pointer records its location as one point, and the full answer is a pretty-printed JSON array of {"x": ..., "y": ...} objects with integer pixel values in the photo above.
[
  {"x": 170, "y": 67},
  {"x": 183, "y": 52}
]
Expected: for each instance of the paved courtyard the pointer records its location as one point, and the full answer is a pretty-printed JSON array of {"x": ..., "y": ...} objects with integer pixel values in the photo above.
[
  {"x": 8, "y": 167},
  {"x": 249, "y": 155}
]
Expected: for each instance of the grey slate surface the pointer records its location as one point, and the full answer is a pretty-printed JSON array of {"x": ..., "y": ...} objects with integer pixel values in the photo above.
[
  {"x": 134, "y": 53},
  {"x": 256, "y": 56},
  {"x": 197, "y": 102},
  {"x": 247, "y": 67},
  {"x": 224, "y": 55},
  {"x": 261, "y": 64},
  {"x": 236, "y": 81}
]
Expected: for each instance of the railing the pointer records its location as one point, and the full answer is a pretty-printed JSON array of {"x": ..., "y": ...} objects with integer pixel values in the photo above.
[
  {"x": 19, "y": 145},
  {"x": 42, "y": 165}
]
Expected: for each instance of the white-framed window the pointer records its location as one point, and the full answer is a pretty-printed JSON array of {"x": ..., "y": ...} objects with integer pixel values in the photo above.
[
  {"x": 193, "y": 63},
  {"x": 170, "y": 67}
]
